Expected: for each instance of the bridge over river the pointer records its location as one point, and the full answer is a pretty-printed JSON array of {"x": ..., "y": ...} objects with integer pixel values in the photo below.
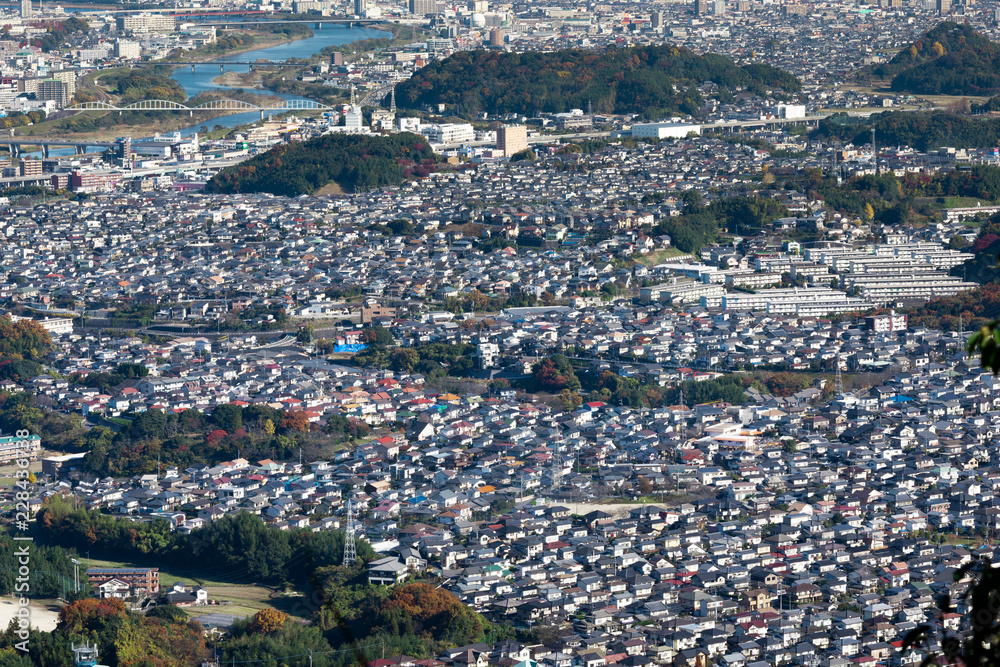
[{"x": 211, "y": 106}]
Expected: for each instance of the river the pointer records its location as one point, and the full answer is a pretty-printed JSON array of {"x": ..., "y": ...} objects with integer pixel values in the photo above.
[{"x": 201, "y": 79}]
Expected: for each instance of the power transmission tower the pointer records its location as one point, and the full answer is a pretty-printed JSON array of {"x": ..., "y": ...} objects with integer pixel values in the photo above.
[
  {"x": 350, "y": 551},
  {"x": 392, "y": 99}
]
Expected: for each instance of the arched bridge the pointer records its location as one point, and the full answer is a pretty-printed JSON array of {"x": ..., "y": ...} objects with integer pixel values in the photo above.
[{"x": 213, "y": 105}]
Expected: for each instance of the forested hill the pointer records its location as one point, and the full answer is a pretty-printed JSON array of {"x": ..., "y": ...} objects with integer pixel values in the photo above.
[
  {"x": 651, "y": 80},
  {"x": 354, "y": 162},
  {"x": 950, "y": 59},
  {"x": 921, "y": 130}
]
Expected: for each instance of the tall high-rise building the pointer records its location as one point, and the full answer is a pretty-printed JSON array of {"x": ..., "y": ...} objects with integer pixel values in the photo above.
[
  {"x": 423, "y": 7},
  {"x": 943, "y": 7},
  {"x": 719, "y": 7},
  {"x": 360, "y": 6},
  {"x": 125, "y": 146},
  {"x": 31, "y": 167},
  {"x": 354, "y": 118},
  {"x": 58, "y": 91},
  {"x": 496, "y": 37},
  {"x": 25, "y": 9},
  {"x": 701, "y": 7},
  {"x": 512, "y": 139},
  {"x": 128, "y": 50}
]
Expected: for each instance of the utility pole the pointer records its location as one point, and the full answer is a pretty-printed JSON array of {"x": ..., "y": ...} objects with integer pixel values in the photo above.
[
  {"x": 76, "y": 575},
  {"x": 838, "y": 383},
  {"x": 874, "y": 151}
]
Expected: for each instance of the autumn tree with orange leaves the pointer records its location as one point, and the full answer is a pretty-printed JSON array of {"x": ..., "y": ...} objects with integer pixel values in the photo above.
[
  {"x": 125, "y": 638},
  {"x": 267, "y": 621},
  {"x": 83, "y": 614},
  {"x": 295, "y": 421},
  {"x": 430, "y": 613}
]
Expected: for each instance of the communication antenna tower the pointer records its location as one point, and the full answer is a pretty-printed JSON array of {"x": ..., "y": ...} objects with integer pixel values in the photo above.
[
  {"x": 350, "y": 551},
  {"x": 85, "y": 656}
]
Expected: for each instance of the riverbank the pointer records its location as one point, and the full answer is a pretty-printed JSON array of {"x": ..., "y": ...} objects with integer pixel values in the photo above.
[
  {"x": 271, "y": 40},
  {"x": 239, "y": 80},
  {"x": 174, "y": 123}
]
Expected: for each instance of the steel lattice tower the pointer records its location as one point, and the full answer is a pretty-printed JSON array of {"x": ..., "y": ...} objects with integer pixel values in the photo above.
[{"x": 350, "y": 550}]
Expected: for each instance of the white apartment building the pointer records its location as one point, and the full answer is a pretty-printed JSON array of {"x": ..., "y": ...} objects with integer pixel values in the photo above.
[{"x": 449, "y": 133}]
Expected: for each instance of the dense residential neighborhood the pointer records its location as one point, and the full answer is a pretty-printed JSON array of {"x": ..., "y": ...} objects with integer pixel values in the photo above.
[
  {"x": 815, "y": 525},
  {"x": 678, "y": 376},
  {"x": 793, "y": 528}
]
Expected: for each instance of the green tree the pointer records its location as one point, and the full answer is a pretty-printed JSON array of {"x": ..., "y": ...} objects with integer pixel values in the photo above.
[
  {"x": 403, "y": 359},
  {"x": 306, "y": 334},
  {"x": 229, "y": 417},
  {"x": 377, "y": 336}
]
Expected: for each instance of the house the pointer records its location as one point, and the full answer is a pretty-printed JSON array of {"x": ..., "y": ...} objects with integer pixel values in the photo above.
[
  {"x": 113, "y": 588},
  {"x": 178, "y": 595},
  {"x": 387, "y": 571}
]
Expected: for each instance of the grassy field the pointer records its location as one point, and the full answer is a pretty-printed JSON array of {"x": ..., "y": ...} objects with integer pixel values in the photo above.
[
  {"x": 955, "y": 202},
  {"x": 659, "y": 256},
  {"x": 239, "y": 599}
]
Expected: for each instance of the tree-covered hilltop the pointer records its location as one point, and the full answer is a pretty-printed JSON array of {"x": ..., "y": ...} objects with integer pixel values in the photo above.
[
  {"x": 652, "y": 80},
  {"x": 950, "y": 59},
  {"x": 923, "y": 131},
  {"x": 354, "y": 162}
]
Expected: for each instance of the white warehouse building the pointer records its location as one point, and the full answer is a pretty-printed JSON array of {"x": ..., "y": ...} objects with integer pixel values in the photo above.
[{"x": 664, "y": 130}]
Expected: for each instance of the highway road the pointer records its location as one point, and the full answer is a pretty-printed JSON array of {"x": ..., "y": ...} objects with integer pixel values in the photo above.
[
  {"x": 551, "y": 138},
  {"x": 178, "y": 168}
]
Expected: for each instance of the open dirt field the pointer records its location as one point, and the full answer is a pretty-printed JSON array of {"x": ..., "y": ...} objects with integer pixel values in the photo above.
[{"x": 44, "y": 613}]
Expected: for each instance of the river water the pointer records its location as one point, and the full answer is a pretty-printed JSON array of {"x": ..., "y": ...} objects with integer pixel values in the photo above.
[{"x": 201, "y": 79}]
